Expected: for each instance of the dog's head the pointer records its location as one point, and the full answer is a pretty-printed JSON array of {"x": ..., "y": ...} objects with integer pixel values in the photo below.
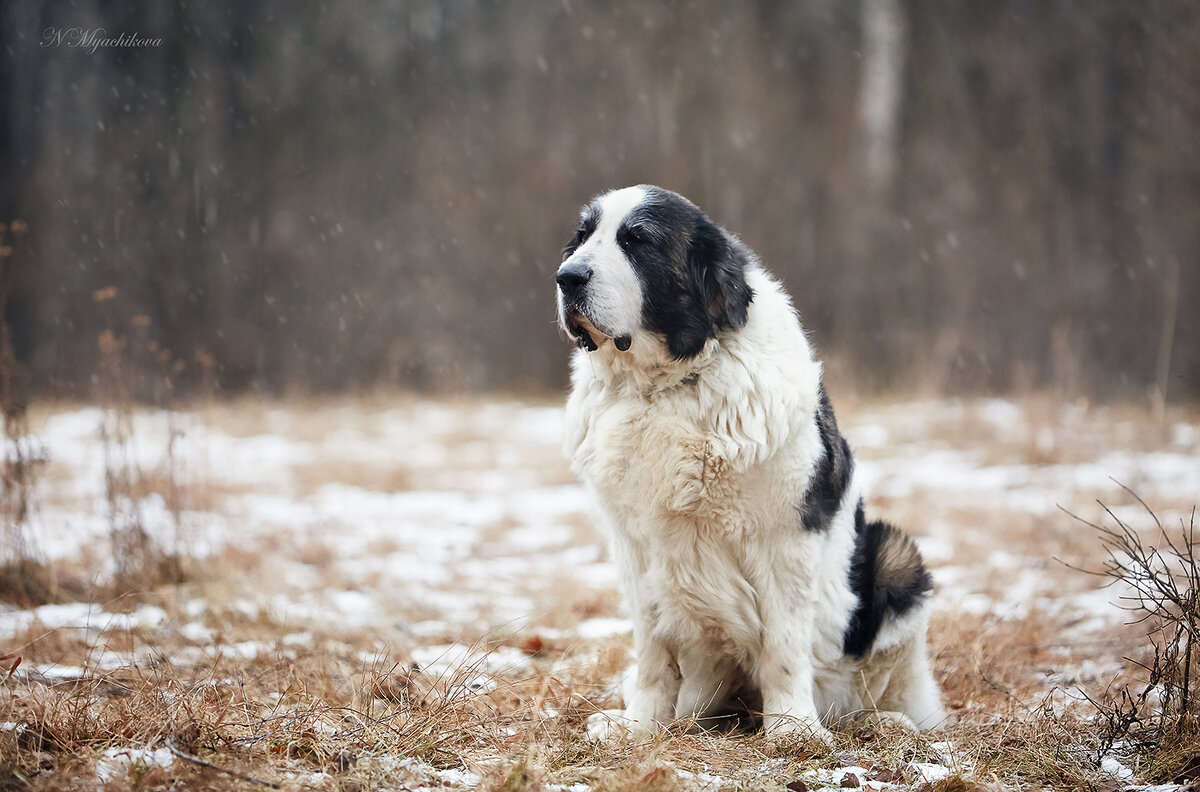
[{"x": 646, "y": 266}]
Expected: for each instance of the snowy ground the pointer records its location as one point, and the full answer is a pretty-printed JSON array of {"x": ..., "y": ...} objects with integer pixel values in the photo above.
[{"x": 418, "y": 531}]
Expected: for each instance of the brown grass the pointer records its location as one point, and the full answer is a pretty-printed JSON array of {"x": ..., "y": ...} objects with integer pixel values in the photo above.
[
  {"x": 344, "y": 708},
  {"x": 318, "y": 716}
]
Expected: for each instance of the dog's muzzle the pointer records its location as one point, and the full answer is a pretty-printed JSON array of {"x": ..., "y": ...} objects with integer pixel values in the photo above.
[{"x": 572, "y": 280}]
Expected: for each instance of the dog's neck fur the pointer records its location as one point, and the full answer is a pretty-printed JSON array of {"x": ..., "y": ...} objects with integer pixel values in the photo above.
[
  {"x": 715, "y": 385},
  {"x": 646, "y": 369}
]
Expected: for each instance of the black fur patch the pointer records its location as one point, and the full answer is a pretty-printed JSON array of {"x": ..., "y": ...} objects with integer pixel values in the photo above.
[
  {"x": 888, "y": 577},
  {"x": 829, "y": 481},
  {"x": 692, "y": 273},
  {"x": 587, "y": 224}
]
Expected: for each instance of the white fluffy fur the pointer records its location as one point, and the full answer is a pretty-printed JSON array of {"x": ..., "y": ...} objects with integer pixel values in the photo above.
[{"x": 697, "y": 466}]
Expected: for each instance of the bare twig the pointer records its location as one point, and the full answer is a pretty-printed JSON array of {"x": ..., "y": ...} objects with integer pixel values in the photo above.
[
  {"x": 187, "y": 757},
  {"x": 1164, "y": 593}
]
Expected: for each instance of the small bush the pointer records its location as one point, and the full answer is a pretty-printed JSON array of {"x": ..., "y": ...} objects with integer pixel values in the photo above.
[{"x": 1159, "y": 715}]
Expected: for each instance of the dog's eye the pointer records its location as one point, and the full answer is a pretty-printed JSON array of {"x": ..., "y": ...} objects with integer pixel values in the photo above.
[
  {"x": 581, "y": 234},
  {"x": 632, "y": 235}
]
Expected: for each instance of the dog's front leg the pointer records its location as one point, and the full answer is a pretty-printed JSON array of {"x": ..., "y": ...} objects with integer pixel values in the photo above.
[
  {"x": 652, "y": 686},
  {"x": 650, "y": 701},
  {"x": 785, "y": 673},
  {"x": 650, "y": 689}
]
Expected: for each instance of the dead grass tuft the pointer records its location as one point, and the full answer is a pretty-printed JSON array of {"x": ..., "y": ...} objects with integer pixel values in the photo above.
[
  {"x": 955, "y": 783},
  {"x": 255, "y": 698},
  {"x": 642, "y": 778}
]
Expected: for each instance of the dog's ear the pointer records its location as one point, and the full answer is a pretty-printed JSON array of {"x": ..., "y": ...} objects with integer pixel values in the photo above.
[{"x": 718, "y": 263}]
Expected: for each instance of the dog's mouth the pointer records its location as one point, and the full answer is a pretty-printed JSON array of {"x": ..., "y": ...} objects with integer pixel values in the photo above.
[
  {"x": 589, "y": 337},
  {"x": 586, "y": 334}
]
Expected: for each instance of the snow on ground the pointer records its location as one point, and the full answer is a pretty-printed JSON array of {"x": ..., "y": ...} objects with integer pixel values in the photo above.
[
  {"x": 462, "y": 515},
  {"x": 395, "y": 548},
  {"x": 439, "y": 526},
  {"x": 118, "y": 762}
]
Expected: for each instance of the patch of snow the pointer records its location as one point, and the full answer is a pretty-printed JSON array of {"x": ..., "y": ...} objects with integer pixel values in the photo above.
[
  {"x": 867, "y": 436},
  {"x": 454, "y": 658},
  {"x": 1001, "y": 414},
  {"x": 458, "y": 777},
  {"x": 1115, "y": 769},
  {"x": 68, "y": 614},
  {"x": 245, "y": 650},
  {"x": 353, "y": 608},
  {"x": 1002, "y": 559},
  {"x": 259, "y": 458},
  {"x": 539, "y": 424},
  {"x": 594, "y": 629},
  {"x": 14, "y": 620},
  {"x": 1095, "y": 611},
  {"x": 709, "y": 782},
  {"x": 197, "y": 633},
  {"x": 62, "y": 672},
  {"x": 934, "y": 549},
  {"x": 536, "y": 537},
  {"x": 82, "y": 424},
  {"x": 929, "y": 772},
  {"x": 428, "y": 628},
  {"x": 598, "y": 575},
  {"x": 145, "y": 617},
  {"x": 945, "y": 752},
  {"x": 297, "y": 639},
  {"x": 116, "y": 763},
  {"x": 833, "y": 777}
]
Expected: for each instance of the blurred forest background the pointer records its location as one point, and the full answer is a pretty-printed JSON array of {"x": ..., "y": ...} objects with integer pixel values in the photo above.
[{"x": 305, "y": 196}]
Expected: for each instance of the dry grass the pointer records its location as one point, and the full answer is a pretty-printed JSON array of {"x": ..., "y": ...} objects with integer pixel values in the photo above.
[
  {"x": 319, "y": 716},
  {"x": 224, "y": 692}
]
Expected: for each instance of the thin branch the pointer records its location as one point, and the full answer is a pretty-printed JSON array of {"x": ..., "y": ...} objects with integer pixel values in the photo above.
[
  {"x": 219, "y": 769},
  {"x": 1163, "y": 591},
  {"x": 1138, "y": 498}
]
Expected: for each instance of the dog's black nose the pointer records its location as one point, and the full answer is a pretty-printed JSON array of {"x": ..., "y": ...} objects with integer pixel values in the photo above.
[{"x": 573, "y": 277}]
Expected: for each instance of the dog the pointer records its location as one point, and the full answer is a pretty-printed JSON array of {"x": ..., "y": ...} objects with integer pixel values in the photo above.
[{"x": 698, "y": 417}]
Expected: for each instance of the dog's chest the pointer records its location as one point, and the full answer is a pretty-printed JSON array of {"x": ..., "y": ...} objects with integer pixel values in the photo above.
[
  {"x": 653, "y": 462},
  {"x": 661, "y": 467}
]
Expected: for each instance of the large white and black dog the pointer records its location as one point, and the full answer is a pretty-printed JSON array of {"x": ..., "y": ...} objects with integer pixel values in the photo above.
[{"x": 698, "y": 417}]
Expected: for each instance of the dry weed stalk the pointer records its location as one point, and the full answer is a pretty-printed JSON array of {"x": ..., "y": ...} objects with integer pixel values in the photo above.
[
  {"x": 1163, "y": 592},
  {"x": 23, "y": 578},
  {"x": 140, "y": 561}
]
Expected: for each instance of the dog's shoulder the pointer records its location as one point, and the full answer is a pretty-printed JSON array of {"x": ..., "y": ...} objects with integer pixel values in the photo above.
[{"x": 764, "y": 388}]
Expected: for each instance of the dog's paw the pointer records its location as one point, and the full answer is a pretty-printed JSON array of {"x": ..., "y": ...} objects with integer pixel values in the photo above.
[
  {"x": 606, "y": 726},
  {"x": 615, "y": 726}
]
